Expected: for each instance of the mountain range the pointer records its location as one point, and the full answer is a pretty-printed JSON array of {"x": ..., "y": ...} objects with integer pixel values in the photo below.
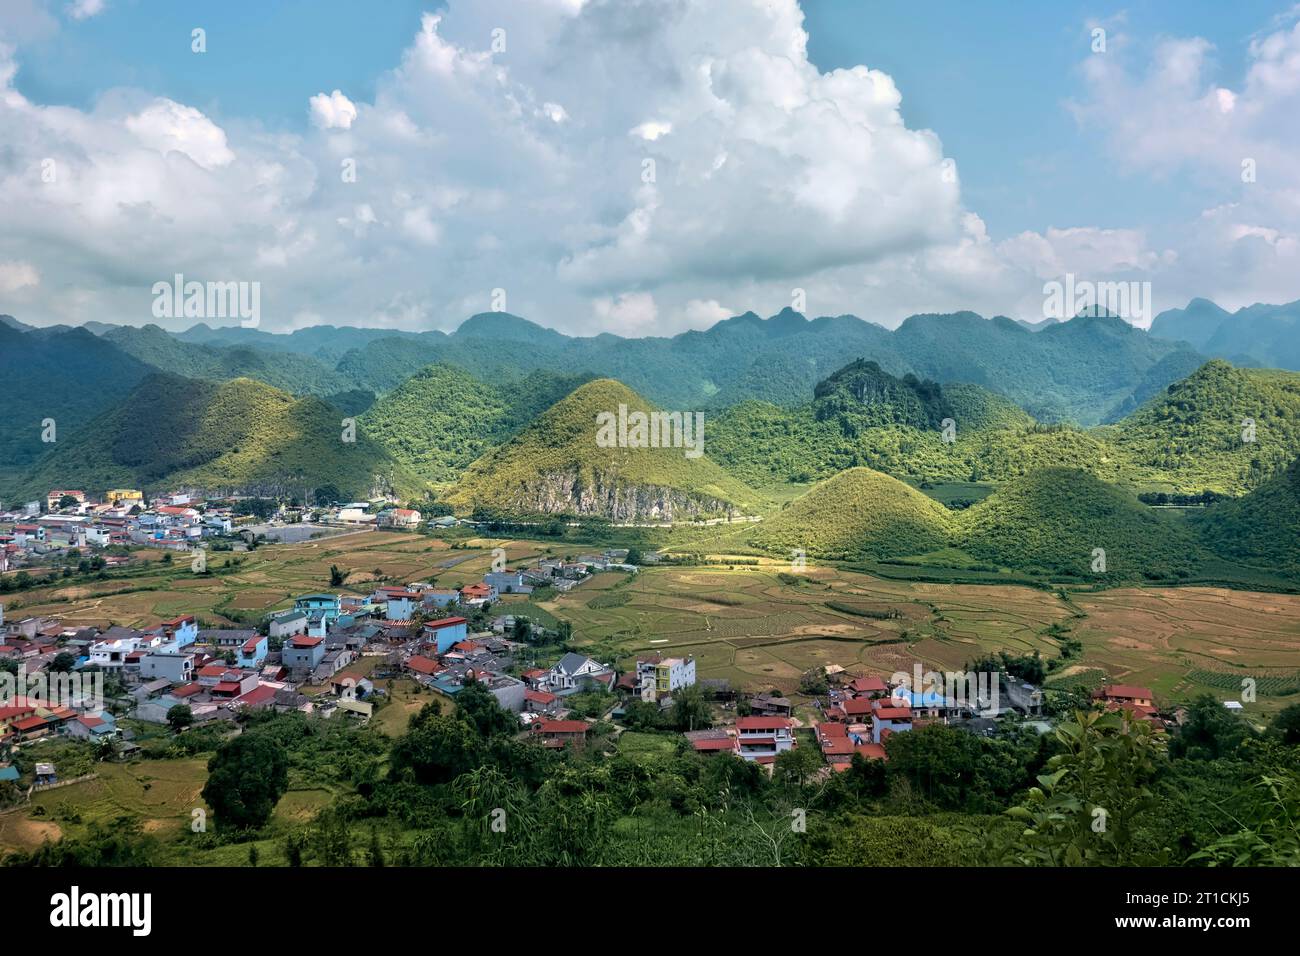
[{"x": 499, "y": 418}]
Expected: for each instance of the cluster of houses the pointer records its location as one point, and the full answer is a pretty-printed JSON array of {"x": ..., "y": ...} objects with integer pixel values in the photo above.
[
  {"x": 859, "y": 715},
  {"x": 296, "y": 661},
  {"x": 69, "y": 518},
  {"x": 121, "y": 517}
]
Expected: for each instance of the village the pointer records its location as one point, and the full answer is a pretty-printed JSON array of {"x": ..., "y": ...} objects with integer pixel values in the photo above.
[{"x": 335, "y": 654}]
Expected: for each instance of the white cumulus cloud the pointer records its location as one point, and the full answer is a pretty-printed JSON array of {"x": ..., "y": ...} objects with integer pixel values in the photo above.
[{"x": 332, "y": 110}]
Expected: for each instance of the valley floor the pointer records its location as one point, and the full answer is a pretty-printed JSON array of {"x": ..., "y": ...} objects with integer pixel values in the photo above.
[{"x": 745, "y": 619}]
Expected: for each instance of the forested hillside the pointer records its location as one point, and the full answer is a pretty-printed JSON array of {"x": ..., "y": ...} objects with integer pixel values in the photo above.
[{"x": 239, "y": 436}]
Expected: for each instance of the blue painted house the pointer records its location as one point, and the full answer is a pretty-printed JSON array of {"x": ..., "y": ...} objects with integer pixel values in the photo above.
[
  {"x": 446, "y": 632},
  {"x": 253, "y": 651},
  {"x": 327, "y": 606}
]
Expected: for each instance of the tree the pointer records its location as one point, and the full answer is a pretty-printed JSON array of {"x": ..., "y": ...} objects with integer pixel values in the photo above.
[
  {"x": 1090, "y": 802},
  {"x": 437, "y": 749},
  {"x": 67, "y": 501},
  {"x": 179, "y": 716},
  {"x": 63, "y": 663},
  {"x": 813, "y": 682},
  {"x": 293, "y": 849},
  {"x": 337, "y": 576},
  {"x": 1287, "y": 724},
  {"x": 375, "y": 852},
  {"x": 332, "y": 838},
  {"x": 690, "y": 710},
  {"x": 797, "y": 765},
  {"x": 476, "y": 705},
  {"x": 327, "y": 495},
  {"x": 246, "y": 778},
  {"x": 1210, "y": 731}
]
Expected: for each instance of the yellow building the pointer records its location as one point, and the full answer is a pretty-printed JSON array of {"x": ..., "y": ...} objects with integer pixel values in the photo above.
[{"x": 124, "y": 495}]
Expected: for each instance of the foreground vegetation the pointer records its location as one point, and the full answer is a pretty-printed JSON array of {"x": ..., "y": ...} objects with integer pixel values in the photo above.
[{"x": 465, "y": 789}]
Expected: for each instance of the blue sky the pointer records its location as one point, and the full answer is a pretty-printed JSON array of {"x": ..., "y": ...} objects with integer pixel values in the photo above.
[
  {"x": 992, "y": 79},
  {"x": 1042, "y": 145}
]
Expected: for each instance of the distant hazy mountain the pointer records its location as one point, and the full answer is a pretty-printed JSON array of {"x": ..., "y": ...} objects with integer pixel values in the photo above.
[
  {"x": 1087, "y": 370},
  {"x": 1263, "y": 335},
  {"x": 295, "y": 373},
  {"x": 13, "y": 323}
]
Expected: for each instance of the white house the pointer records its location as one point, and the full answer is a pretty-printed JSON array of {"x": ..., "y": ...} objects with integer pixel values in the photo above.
[
  {"x": 762, "y": 738},
  {"x": 574, "y": 673}
]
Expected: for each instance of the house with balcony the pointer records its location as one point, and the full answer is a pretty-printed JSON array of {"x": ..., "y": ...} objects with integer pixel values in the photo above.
[
  {"x": 172, "y": 666},
  {"x": 658, "y": 677},
  {"x": 761, "y": 739},
  {"x": 327, "y": 607},
  {"x": 181, "y": 631}
]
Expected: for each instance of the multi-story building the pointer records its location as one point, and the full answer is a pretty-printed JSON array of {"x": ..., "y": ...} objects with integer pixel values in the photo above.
[
  {"x": 170, "y": 665},
  {"x": 446, "y": 632},
  {"x": 302, "y": 653},
  {"x": 657, "y": 677},
  {"x": 327, "y": 606},
  {"x": 762, "y": 738}
]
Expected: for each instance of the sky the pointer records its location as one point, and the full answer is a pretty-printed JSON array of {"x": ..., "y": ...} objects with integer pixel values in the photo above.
[{"x": 642, "y": 167}]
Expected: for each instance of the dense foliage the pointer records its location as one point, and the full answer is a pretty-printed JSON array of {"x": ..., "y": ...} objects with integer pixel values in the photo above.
[
  {"x": 1059, "y": 520},
  {"x": 858, "y": 512},
  {"x": 238, "y": 435},
  {"x": 555, "y": 465}
]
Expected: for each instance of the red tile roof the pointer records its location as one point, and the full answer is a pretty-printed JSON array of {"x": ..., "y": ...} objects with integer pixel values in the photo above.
[
  {"x": 894, "y": 713},
  {"x": 303, "y": 640},
  {"x": 30, "y": 723},
  {"x": 258, "y": 695},
  {"x": 872, "y": 751},
  {"x": 422, "y": 665},
  {"x": 764, "y": 723},
  {"x": 445, "y": 622},
  {"x": 868, "y": 685},
  {"x": 710, "y": 744},
  {"x": 561, "y": 726},
  {"x": 841, "y": 745}
]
